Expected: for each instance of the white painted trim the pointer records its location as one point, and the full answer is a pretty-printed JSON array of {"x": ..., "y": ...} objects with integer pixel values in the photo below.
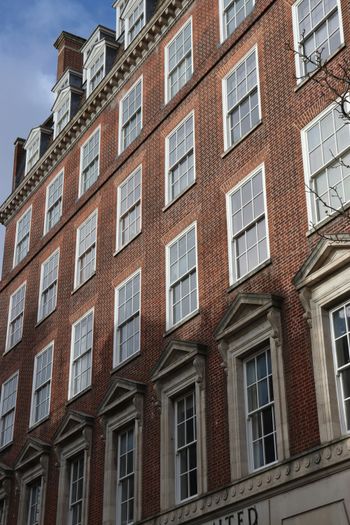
[
  {"x": 248, "y": 428},
  {"x": 227, "y": 141},
  {"x": 338, "y": 382},
  {"x": 87, "y": 65},
  {"x": 97, "y": 130},
  {"x": 232, "y": 263},
  {"x": 28, "y": 210},
  {"x": 169, "y": 321},
  {"x": 128, "y": 7},
  {"x": 91, "y": 310},
  {"x": 61, "y": 172},
  {"x": 27, "y": 147},
  {"x": 77, "y": 240},
  {"x": 167, "y": 97},
  {"x": 15, "y": 409},
  {"x": 32, "y": 407},
  {"x": 119, "y": 246},
  {"x": 167, "y": 156},
  {"x": 223, "y": 32},
  {"x": 310, "y": 203},
  {"x": 120, "y": 127},
  {"x": 296, "y": 37},
  {"x": 116, "y": 357},
  {"x": 24, "y": 284},
  {"x": 66, "y": 92},
  {"x": 39, "y": 318}
]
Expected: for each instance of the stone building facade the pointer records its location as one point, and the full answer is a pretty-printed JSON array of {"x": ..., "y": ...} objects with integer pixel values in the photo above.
[{"x": 175, "y": 297}]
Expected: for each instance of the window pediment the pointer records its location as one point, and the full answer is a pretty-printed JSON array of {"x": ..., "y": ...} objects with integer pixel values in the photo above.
[
  {"x": 176, "y": 355},
  {"x": 32, "y": 452},
  {"x": 73, "y": 424},
  {"x": 121, "y": 392},
  {"x": 327, "y": 257},
  {"x": 245, "y": 309},
  {"x": 94, "y": 52}
]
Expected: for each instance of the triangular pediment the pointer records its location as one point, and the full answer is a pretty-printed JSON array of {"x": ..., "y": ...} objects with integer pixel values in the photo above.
[
  {"x": 120, "y": 392},
  {"x": 244, "y": 310},
  {"x": 176, "y": 355},
  {"x": 330, "y": 255},
  {"x": 60, "y": 97},
  {"x": 73, "y": 423},
  {"x": 31, "y": 452},
  {"x": 94, "y": 52}
]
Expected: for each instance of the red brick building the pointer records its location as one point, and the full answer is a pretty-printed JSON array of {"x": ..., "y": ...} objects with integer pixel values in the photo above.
[{"x": 175, "y": 301}]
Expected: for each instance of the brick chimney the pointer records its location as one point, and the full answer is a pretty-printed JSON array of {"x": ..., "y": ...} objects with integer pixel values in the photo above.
[
  {"x": 19, "y": 160},
  {"x": 69, "y": 55}
]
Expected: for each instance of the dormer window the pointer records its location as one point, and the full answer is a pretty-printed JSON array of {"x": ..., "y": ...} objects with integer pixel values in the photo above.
[
  {"x": 120, "y": 6},
  {"x": 96, "y": 72},
  {"x": 61, "y": 115},
  {"x": 98, "y": 56},
  {"x": 68, "y": 93},
  {"x": 134, "y": 19},
  {"x": 32, "y": 148}
]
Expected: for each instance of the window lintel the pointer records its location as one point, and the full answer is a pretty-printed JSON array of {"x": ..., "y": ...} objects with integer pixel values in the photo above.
[
  {"x": 329, "y": 255},
  {"x": 177, "y": 355},
  {"x": 122, "y": 391},
  {"x": 74, "y": 424},
  {"x": 246, "y": 309},
  {"x": 34, "y": 451}
]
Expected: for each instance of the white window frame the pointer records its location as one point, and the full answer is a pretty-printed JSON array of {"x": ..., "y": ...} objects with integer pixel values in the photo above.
[
  {"x": 120, "y": 26},
  {"x": 94, "y": 55},
  {"x": 252, "y": 468},
  {"x": 300, "y": 76},
  {"x": 120, "y": 478},
  {"x": 91, "y": 136},
  {"x": 180, "y": 397},
  {"x": 28, "y": 147},
  {"x": 166, "y": 61},
  {"x": 338, "y": 370},
  {"x": 169, "y": 318},
  {"x": 77, "y": 457},
  {"x": 41, "y": 317},
  {"x": 116, "y": 353},
  {"x": 8, "y": 346},
  {"x": 57, "y": 108},
  {"x": 127, "y": 11},
  {"x": 121, "y": 146},
  {"x": 46, "y": 222},
  {"x": 72, "y": 360},
  {"x": 232, "y": 263},
  {"x": 238, "y": 341},
  {"x": 223, "y": 29},
  {"x": 29, "y": 489},
  {"x": 119, "y": 244},
  {"x": 16, "y": 374},
  {"x": 77, "y": 283},
  {"x": 32, "y": 421},
  {"x": 168, "y": 200},
  {"x": 310, "y": 197},
  {"x": 227, "y": 140},
  {"x": 30, "y": 211}
]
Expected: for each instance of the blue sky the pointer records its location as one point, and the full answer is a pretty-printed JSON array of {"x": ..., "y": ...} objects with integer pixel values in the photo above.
[{"x": 28, "y": 63}]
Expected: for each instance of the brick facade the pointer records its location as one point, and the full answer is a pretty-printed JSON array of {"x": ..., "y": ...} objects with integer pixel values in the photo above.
[{"x": 276, "y": 143}]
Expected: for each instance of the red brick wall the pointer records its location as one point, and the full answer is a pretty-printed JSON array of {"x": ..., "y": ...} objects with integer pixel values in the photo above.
[{"x": 276, "y": 142}]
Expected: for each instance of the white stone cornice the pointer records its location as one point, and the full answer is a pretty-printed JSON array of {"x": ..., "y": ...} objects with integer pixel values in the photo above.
[{"x": 132, "y": 58}]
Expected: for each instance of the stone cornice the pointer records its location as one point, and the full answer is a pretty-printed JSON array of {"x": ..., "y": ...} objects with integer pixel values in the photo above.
[
  {"x": 131, "y": 59},
  {"x": 264, "y": 484}
]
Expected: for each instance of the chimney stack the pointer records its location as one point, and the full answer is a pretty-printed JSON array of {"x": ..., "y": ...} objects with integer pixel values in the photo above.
[
  {"x": 19, "y": 159},
  {"x": 69, "y": 55}
]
